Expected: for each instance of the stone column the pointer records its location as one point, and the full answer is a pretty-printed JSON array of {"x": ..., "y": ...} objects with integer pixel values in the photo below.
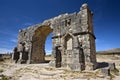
[
  {"x": 53, "y": 56},
  {"x": 88, "y": 46},
  {"x": 29, "y": 53}
]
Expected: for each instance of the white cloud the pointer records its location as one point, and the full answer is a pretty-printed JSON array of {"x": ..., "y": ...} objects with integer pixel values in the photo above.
[
  {"x": 14, "y": 40},
  {"x": 48, "y": 51},
  {"x": 26, "y": 25},
  {"x": 5, "y": 50},
  {"x": 99, "y": 41}
]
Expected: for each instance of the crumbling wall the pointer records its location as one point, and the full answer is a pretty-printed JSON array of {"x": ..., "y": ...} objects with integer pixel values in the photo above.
[{"x": 73, "y": 39}]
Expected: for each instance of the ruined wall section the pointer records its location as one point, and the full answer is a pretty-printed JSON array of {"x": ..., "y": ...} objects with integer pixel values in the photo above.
[
  {"x": 76, "y": 25},
  {"x": 92, "y": 38},
  {"x": 25, "y": 37},
  {"x": 88, "y": 39},
  {"x": 63, "y": 25}
]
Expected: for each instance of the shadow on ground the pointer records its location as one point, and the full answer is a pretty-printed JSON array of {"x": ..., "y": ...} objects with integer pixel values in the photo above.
[{"x": 102, "y": 65}]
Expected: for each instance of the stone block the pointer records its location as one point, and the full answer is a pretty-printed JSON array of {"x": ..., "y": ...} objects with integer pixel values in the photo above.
[
  {"x": 106, "y": 71},
  {"x": 111, "y": 66}
]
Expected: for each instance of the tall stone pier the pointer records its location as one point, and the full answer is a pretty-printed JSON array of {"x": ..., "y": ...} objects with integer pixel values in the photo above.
[{"x": 73, "y": 41}]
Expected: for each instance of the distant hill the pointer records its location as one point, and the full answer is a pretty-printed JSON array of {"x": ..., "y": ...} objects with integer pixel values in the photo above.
[{"x": 112, "y": 51}]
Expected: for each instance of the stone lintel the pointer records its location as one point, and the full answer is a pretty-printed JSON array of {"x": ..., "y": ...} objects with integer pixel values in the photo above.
[{"x": 75, "y": 34}]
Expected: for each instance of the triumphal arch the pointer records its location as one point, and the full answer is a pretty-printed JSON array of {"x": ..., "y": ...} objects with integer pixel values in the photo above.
[{"x": 73, "y": 41}]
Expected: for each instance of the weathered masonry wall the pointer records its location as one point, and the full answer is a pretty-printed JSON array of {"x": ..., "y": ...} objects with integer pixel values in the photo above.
[{"x": 73, "y": 41}]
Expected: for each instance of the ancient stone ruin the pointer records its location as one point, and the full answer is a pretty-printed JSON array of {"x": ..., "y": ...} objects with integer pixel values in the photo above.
[{"x": 73, "y": 41}]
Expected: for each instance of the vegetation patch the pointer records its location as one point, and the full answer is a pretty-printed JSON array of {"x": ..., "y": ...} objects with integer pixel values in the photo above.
[
  {"x": 107, "y": 53},
  {"x": 1, "y": 70},
  {"x": 115, "y": 72},
  {"x": 50, "y": 69},
  {"x": 3, "y": 77}
]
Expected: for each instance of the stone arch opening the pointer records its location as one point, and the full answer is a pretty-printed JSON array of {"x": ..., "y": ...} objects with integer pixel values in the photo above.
[
  {"x": 48, "y": 47},
  {"x": 38, "y": 44}
]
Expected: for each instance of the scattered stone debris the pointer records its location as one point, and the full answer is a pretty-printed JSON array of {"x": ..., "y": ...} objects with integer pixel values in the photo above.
[
  {"x": 109, "y": 69},
  {"x": 112, "y": 66},
  {"x": 44, "y": 71},
  {"x": 106, "y": 71}
]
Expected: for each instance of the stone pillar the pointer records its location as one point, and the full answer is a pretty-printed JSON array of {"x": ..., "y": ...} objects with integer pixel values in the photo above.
[
  {"x": 53, "y": 60},
  {"x": 56, "y": 52},
  {"x": 15, "y": 55},
  {"x": 88, "y": 38},
  {"x": 20, "y": 59},
  {"x": 12, "y": 55},
  {"x": 29, "y": 53}
]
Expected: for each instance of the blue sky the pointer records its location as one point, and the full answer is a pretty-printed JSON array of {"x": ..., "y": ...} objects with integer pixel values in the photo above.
[{"x": 18, "y": 14}]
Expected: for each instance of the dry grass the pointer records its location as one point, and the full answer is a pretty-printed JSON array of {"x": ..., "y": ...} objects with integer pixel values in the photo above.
[{"x": 50, "y": 73}]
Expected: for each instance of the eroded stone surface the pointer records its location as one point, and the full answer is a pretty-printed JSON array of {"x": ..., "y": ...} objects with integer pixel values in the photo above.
[{"x": 73, "y": 41}]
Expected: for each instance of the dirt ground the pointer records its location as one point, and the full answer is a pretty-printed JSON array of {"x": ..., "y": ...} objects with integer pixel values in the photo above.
[{"x": 12, "y": 71}]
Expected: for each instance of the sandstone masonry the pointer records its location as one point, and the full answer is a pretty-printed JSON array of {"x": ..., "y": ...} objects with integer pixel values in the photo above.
[{"x": 73, "y": 41}]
